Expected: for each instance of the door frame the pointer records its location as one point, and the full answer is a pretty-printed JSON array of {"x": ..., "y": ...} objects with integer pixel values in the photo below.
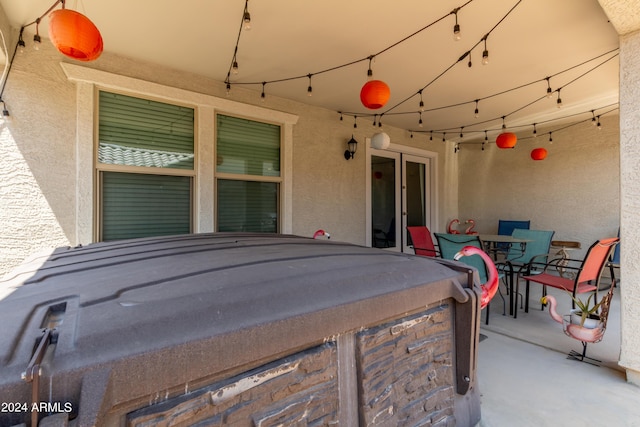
[{"x": 402, "y": 150}]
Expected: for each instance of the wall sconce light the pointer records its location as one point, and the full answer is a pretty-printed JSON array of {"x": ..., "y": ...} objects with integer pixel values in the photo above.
[{"x": 352, "y": 145}]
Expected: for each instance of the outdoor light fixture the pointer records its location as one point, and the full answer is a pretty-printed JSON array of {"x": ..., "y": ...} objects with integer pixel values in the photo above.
[{"x": 352, "y": 145}]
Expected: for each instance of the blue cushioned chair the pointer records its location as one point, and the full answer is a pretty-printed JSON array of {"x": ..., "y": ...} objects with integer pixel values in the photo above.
[{"x": 505, "y": 228}]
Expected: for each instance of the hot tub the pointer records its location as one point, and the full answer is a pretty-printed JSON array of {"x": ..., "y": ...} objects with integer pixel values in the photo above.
[{"x": 239, "y": 329}]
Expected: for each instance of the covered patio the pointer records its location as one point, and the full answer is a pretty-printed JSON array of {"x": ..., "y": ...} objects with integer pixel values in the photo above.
[{"x": 52, "y": 180}]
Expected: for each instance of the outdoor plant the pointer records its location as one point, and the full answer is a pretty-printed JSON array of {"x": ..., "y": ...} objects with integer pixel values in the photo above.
[{"x": 587, "y": 310}]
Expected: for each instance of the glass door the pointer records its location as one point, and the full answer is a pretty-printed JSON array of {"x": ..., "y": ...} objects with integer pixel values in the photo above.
[
  {"x": 385, "y": 201},
  {"x": 415, "y": 196},
  {"x": 400, "y": 197}
]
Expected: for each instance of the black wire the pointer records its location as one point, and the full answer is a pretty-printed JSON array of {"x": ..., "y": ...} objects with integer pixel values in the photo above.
[
  {"x": 4, "y": 83},
  {"x": 348, "y": 64}
]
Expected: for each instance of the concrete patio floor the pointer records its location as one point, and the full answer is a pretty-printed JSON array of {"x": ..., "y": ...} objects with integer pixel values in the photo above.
[{"x": 525, "y": 378}]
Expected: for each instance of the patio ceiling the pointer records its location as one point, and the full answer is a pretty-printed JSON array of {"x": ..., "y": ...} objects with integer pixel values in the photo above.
[{"x": 570, "y": 41}]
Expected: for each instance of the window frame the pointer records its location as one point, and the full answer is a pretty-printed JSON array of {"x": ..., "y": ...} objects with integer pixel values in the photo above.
[
  {"x": 247, "y": 177},
  {"x": 89, "y": 80},
  {"x": 101, "y": 168}
]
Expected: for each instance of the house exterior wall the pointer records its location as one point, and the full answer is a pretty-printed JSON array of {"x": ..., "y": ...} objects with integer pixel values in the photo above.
[
  {"x": 630, "y": 209},
  {"x": 46, "y": 159}
]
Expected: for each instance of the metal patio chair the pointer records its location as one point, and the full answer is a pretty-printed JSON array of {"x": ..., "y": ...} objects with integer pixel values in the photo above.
[
  {"x": 421, "y": 240},
  {"x": 587, "y": 272}
]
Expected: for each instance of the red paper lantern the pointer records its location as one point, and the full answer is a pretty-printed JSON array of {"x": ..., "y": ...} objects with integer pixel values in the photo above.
[
  {"x": 506, "y": 140},
  {"x": 374, "y": 94},
  {"x": 74, "y": 35},
  {"x": 539, "y": 154}
]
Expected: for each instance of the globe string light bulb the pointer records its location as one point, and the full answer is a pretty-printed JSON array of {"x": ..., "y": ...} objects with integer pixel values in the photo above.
[
  {"x": 355, "y": 122},
  {"x": 598, "y": 124},
  {"x": 309, "y": 89},
  {"x": 593, "y": 120},
  {"x": 262, "y": 95},
  {"x": 228, "y": 88},
  {"x": 535, "y": 131},
  {"x": 476, "y": 113},
  {"x": 420, "y": 121},
  {"x": 370, "y": 71},
  {"x": 421, "y": 105},
  {"x": 234, "y": 67},
  {"x": 36, "y": 38}
]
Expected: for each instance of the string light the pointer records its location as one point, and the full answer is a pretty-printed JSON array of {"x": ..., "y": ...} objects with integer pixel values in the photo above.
[
  {"x": 431, "y": 136},
  {"x": 599, "y": 125},
  {"x": 228, "y": 88},
  {"x": 535, "y": 131},
  {"x": 36, "y": 38},
  {"x": 246, "y": 18},
  {"x": 234, "y": 67},
  {"x": 444, "y": 137},
  {"x": 461, "y": 136},
  {"x": 593, "y": 120},
  {"x": 456, "y": 28},
  {"x": 340, "y": 115},
  {"x": 355, "y": 122},
  {"x": 21, "y": 44},
  {"x": 550, "y": 138},
  {"x": 309, "y": 89},
  {"x": 549, "y": 90},
  {"x": 476, "y": 112},
  {"x": 411, "y": 134},
  {"x": 370, "y": 71},
  {"x": 420, "y": 121},
  {"x": 559, "y": 101},
  {"x": 375, "y": 119},
  {"x": 485, "y": 52},
  {"x": 421, "y": 105},
  {"x": 262, "y": 95}
]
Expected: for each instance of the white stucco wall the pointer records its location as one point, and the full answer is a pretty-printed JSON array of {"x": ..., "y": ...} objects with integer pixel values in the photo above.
[{"x": 630, "y": 209}]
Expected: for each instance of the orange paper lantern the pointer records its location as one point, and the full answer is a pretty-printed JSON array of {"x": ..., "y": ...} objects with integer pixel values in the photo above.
[
  {"x": 539, "y": 154},
  {"x": 374, "y": 94},
  {"x": 74, "y": 35},
  {"x": 506, "y": 140}
]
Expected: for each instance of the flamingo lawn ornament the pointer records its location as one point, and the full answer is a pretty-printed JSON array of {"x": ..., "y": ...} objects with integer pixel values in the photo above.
[
  {"x": 450, "y": 228},
  {"x": 321, "y": 233},
  {"x": 469, "y": 229},
  {"x": 490, "y": 288},
  {"x": 579, "y": 332}
]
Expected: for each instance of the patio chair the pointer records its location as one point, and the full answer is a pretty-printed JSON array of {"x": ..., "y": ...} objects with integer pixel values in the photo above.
[
  {"x": 421, "y": 240},
  {"x": 517, "y": 262},
  {"x": 450, "y": 244},
  {"x": 614, "y": 263},
  {"x": 587, "y": 272},
  {"x": 505, "y": 228}
]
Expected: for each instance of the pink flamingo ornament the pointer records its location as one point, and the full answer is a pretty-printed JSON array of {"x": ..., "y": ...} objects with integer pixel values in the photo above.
[
  {"x": 469, "y": 230},
  {"x": 450, "y": 228},
  {"x": 574, "y": 331},
  {"x": 490, "y": 288},
  {"x": 321, "y": 233}
]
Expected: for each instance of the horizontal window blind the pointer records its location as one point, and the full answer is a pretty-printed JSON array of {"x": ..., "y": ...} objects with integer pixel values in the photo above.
[
  {"x": 247, "y": 206},
  {"x": 141, "y": 132},
  {"x": 140, "y": 205},
  {"x": 247, "y": 147}
]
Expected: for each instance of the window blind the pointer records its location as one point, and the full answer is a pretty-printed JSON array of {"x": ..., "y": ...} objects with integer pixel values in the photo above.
[
  {"x": 140, "y": 205},
  {"x": 247, "y": 206},
  {"x": 247, "y": 147},
  {"x": 141, "y": 132}
]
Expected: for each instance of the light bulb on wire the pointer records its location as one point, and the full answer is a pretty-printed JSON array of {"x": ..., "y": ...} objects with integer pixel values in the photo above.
[
  {"x": 456, "y": 28},
  {"x": 309, "y": 89},
  {"x": 549, "y": 90},
  {"x": 246, "y": 19},
  {"x": 485, "y": 52},
  {"x": 559, "y": 101},
  {"x": 37, "y": 41},
  {"x": 476, "y": 113}
]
